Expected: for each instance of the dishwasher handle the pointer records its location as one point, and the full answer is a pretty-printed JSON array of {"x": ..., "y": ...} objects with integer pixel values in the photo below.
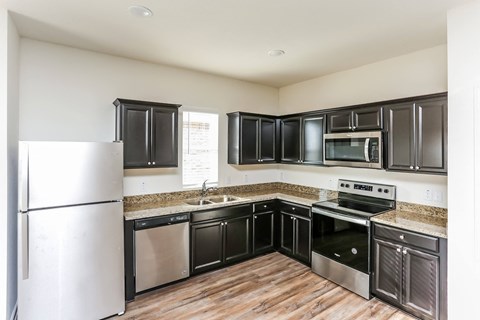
[{"x": 160, "y": 221}]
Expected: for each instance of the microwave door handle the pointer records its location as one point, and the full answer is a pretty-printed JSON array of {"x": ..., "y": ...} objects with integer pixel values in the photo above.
[{"x": 366, "y": 149}]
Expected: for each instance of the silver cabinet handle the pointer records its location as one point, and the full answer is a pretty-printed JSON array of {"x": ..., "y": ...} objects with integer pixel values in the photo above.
[
  {"x": 411, "y": 167},
  {"x": 255, "y": 217},
  {"x": 291, "y": 218},
  {"x": 354, "y": 128},
  {"x": 402, "y": 237},
  {"x": 221, "y": 224},
  {"x": 404, "y": 251},
  {"x": 398, "y": 250},
  {"x": 24, "y": 246},
  {"x": 259, "y": 160},
  {"x": 148, "y": 163},
  {"x": 349, "y": 127},
  {"x": 153, "y": 162},
  {"x": 264, "y": 205},
  {"x": 417, "y": 167},
  {"x": 293, "y": 208},
  {"x": 225, "y": 223}
]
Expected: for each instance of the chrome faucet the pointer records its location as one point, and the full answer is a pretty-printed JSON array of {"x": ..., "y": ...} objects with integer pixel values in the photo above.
[{"x": 205, "y": 190}]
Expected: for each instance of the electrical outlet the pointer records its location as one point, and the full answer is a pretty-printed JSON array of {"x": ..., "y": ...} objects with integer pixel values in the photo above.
[
  {"x": 428, "y": 195},
  {"x": 438, "y": 196},
  {"x": 332, "y": 184}
]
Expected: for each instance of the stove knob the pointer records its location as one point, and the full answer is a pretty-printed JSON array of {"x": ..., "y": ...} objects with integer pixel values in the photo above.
[
  {"x": 342, "y": 185},
  {"x": 386, "y": 191},
  {"x": 379, "y": 190},
  {"x": 347, "y": 186}
]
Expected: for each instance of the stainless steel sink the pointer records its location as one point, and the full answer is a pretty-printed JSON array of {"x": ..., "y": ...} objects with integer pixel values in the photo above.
[
  {"x": 224, "y": 198},
  {"x": 200, "y": 202},
  {"x": 211, "y": 200}
]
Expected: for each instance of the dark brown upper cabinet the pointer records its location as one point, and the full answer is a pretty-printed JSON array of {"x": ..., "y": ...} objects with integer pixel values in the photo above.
[
  {"x": 358, "y": 119},
  {"x": 417, "y": 135},
  {"x": 252, "y": 138},
  {"x": 149, "y": 131},
  {"x": 302, "y": 139}
]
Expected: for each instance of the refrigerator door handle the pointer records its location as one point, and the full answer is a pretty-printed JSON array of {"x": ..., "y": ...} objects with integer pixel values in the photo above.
[
  {"x": 24, "y": 245},
  {"x": 23, "y": 178}
]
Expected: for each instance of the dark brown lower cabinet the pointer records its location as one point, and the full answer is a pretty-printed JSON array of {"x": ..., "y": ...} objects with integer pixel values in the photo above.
[
  {"x": 263, "y": 232},
  {"x": 214, "y": 244},
  {"x": 295, "y": 238},
  {"x": 408, "y": 276}
]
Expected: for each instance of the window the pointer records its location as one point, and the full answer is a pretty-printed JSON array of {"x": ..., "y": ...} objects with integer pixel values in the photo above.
[{"x": 200, "y": 148}]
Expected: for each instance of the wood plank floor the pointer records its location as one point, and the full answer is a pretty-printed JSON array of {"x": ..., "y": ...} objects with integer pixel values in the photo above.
[{"x": 268, "y": 287}]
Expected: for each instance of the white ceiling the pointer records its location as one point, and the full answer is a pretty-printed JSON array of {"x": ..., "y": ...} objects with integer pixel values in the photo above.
[{"x": 232, "y": 37}]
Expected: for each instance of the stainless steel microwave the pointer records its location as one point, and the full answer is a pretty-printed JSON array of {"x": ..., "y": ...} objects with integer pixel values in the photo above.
[{"x": 353, "y": 149}]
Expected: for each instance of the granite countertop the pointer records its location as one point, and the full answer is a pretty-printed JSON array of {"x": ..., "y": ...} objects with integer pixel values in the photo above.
[
  {"x": 419, "y": 218},
  {"x": 154, "y": 209},
  {"x": 427, "y": 224}
]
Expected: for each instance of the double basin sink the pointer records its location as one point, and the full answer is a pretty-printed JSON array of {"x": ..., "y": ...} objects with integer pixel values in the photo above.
[{"x": 212, "y": 200}]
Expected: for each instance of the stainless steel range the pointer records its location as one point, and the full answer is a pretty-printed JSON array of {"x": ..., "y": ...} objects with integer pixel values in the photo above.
[{"x": 341, "y": 239}]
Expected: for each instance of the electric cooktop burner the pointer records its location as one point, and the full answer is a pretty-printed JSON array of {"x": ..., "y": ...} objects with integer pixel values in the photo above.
[{"x": 361, "y": 199}]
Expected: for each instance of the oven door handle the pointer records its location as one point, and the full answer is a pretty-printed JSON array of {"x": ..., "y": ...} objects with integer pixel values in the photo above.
[
  {"x": 366, "y": 150},
  {"x": 363, "y": 222}
]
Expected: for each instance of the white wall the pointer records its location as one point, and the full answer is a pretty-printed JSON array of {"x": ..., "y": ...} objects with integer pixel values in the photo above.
[
  {"x": 67, "y": 94},
  {"x": 9, "y": 43},
  {"x": 418, "y": 73},
  {"x": 464, "y": 161}
]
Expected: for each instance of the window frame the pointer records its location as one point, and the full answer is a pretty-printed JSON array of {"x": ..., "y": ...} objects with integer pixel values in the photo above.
[{"x": 181, "y": 150}]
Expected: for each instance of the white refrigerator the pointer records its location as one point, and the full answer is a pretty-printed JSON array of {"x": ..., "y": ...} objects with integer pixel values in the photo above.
[{"x": 70, "y": 230}]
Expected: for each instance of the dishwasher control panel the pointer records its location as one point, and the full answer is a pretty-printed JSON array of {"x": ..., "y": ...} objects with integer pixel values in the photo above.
[{"x": 160, "y": 221}]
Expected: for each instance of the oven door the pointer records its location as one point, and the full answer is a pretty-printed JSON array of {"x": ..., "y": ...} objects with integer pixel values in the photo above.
[
  {"x": 353, "y": 149},
  {"x": 344, "y": 239}
]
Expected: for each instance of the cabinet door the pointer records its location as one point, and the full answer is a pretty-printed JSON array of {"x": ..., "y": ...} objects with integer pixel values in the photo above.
[
  {"x": 207, "y": 246},
  {"x": 267, "y": 140},
  {"x": 387, "y": 268},
  {"x": 249, "y": 139},
  {"x": 164, "y": 137},
  {"x": 302, "y": 239},
  {"x": 287, "y": 233},
  {"x": 421, "y": 282},
  {"x": 431, "y": 117},
  {"x": 136, "y": 136},
  {"x": 290, "y": 131},
  {"x": 401, "y": 137},
  {"x": 312, "y": 147},
  {"x": 237, "y": 238},
  {"x": 340, "y": 121},
  {"x": 263, "y": 230},
  {"x": 367, "y": 118}
]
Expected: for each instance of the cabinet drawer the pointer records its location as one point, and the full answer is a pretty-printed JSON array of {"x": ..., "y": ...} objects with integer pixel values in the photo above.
[
  {"x": 407, "y": 237},
  {"x": 222, "y": 213},
  {"x": 295, "y": 209},
  {"x": 263, "y": 206}
]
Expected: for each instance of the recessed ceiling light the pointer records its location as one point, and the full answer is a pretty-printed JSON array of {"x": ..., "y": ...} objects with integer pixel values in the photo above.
[
  {"x": 276, "y": 53},
  {"x": 140, "y": 11}
]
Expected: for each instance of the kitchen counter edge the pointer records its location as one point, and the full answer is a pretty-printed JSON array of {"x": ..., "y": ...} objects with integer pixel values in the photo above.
[{"x": 181, "y": 207}]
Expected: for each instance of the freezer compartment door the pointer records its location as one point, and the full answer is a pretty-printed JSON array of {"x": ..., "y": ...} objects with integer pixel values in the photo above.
[
  {"x": 75, "y": 263},
  {"x": 54, "y": 174}
]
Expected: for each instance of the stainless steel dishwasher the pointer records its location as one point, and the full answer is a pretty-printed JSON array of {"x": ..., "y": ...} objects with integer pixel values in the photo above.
[{"x": 161, "y": 251}]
